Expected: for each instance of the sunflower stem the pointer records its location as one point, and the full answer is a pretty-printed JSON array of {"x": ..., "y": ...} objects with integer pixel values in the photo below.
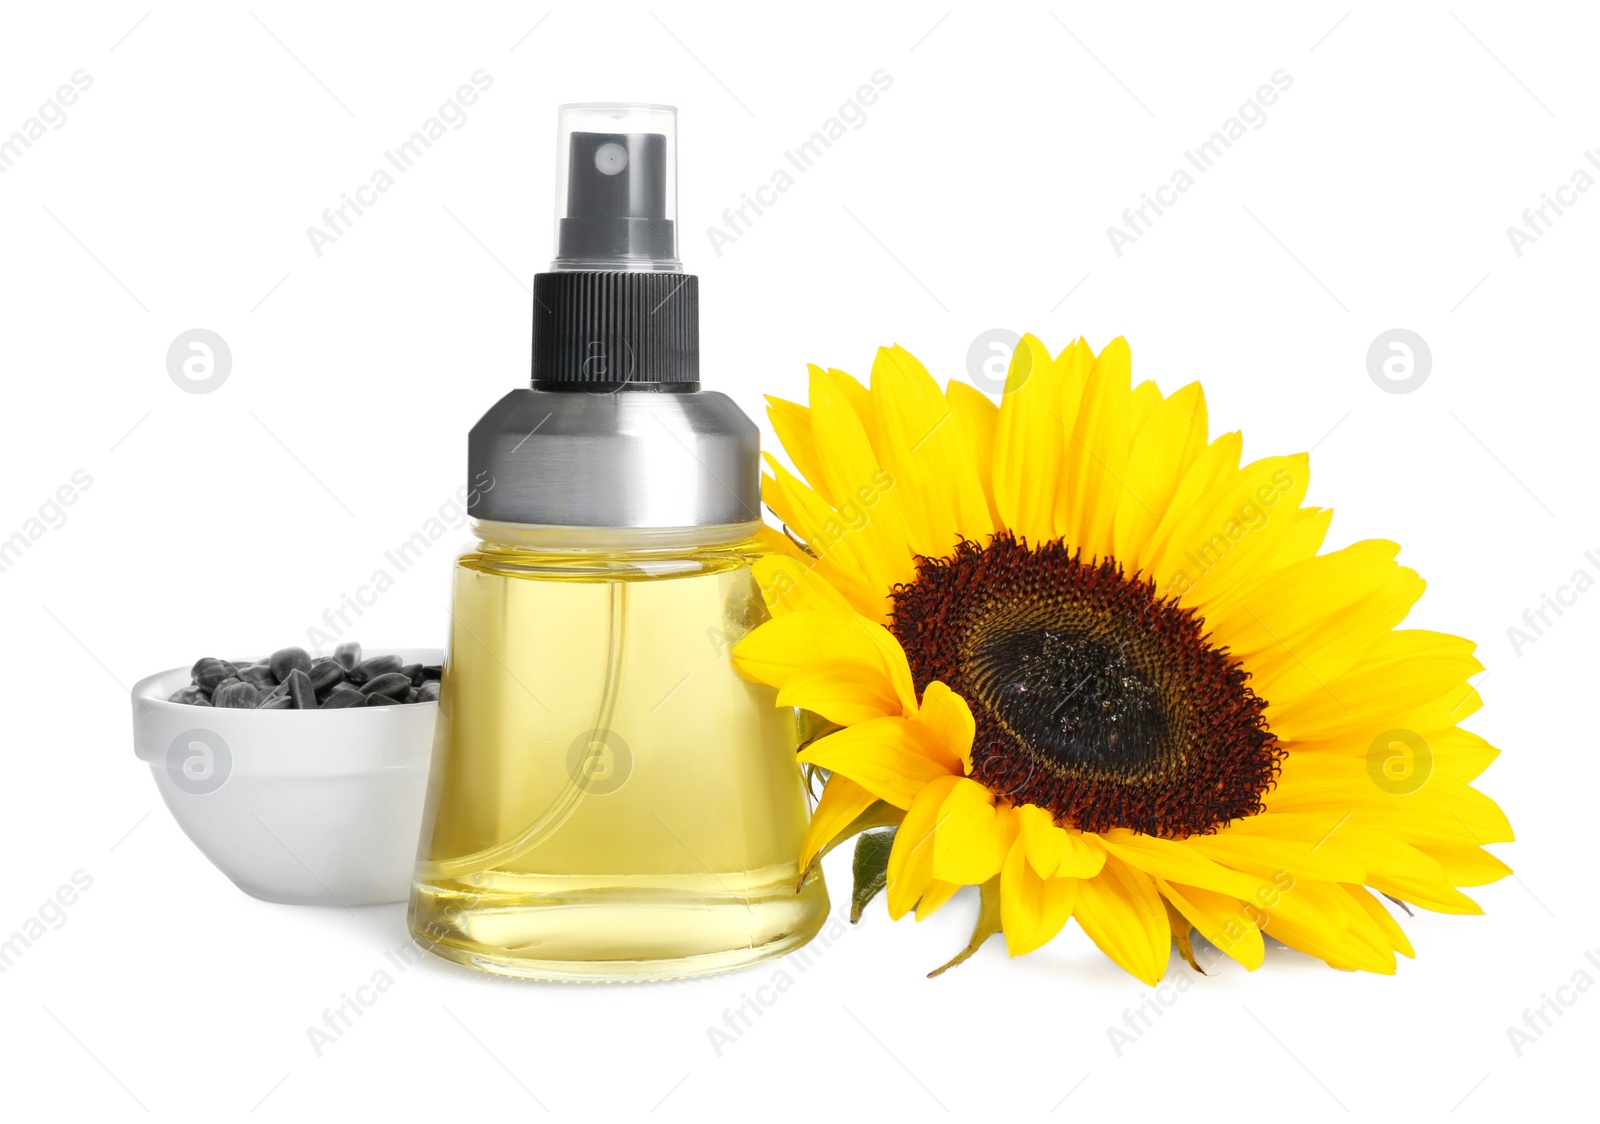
[{"x": 988, "y": 924}]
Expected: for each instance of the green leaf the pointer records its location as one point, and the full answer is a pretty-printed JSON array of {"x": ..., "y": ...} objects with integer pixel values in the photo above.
[
  {"x": 988, "y": 924},
  {"x": 870, "y": 867}
]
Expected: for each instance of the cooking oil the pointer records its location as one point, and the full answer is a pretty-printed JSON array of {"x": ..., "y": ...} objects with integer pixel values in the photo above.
[{"x": 610, "y": 798}]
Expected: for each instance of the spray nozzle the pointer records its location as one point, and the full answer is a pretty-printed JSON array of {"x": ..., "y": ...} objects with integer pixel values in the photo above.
[{"x": 616, "y": 188}]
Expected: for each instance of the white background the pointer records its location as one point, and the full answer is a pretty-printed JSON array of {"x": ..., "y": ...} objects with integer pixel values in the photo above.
[{"x": 977, "y": 195}]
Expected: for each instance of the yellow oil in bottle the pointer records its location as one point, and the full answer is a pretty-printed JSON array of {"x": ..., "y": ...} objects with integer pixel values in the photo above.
[{"x": 609, "y": 798}]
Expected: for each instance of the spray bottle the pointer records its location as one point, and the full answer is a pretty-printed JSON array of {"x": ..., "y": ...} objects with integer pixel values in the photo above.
[{"x": 608, "y": 798}]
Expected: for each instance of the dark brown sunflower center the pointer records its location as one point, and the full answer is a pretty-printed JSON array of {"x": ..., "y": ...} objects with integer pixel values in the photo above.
[
  {"x": 1093, "y": 698},
  {"x": 1073, "y": 698}
]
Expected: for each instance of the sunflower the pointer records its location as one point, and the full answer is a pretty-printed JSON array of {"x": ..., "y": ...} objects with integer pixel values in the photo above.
[{"x": 1073, "y": 653}]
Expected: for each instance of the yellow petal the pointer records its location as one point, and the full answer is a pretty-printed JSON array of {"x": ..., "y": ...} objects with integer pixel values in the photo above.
[
  {"x": 923, "y": 447},
  {"x": 845, "y": 667},
  {"x": 838, "y": 692},
  {"x": 1385, "y": 920},
  {"x": 1370, "y": 852},
  {"x": 910, "y": 869},
  {"x": 1308, "y": 527},
  {"x": 1326, "y": 652},
  {"x": 1096, "y": 453},
  {"x": 1464, "y": 865},
  {"x": 1163, "y": 450},
  {"x": 792, "y": 423},
  {"x": 1041, "y": 840},
  {"x": 977, "y": 417},
  {"x": 1265, "y": 859},
  {"x": 1302, "y": 598},
  {"x": 1032, "y": 909},
  {"x": 1429, "y": 895},
  {"x": 1085, "y": 857},
  {"x": 789, "y": 585},
  {"x": 840, "y": 554},
  {"x": 1123, "y": 915},
  {"x": 1248, "y": 516},
  {"x": 860, "y": 400},
  {"x": 949, "y": 725},
  {"x": 1332, "y": 925},
  {"x": 885, "y": 756},
  {"x": 1369, "y": 700},
  {"x": 842, "y": 801},
  {"x": 1179, "y": 523},
  {"x": 972, "y": 839},
  {"x": 774, "y": 541},
  {"x": 853, "y": 475},
  {"x": 1145, "y": 398},
  {"x": 1053, "y": 850},
  {"x": 1453, "y": 751},
  {"x": 1028, "y": 444},
  {"x": 1180, "y": 860},
  {"x": 1223, "y": 920},
  {"x": 936, "y": 895}
]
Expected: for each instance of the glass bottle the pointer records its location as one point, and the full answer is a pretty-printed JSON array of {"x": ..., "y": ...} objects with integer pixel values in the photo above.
[{"x": 609, "y": 799}]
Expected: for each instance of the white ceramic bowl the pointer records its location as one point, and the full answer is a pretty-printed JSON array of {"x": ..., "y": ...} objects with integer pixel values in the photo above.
[{"x": 308, "y": 807}]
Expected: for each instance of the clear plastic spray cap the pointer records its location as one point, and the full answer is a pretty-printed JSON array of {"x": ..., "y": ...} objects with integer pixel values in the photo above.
[{"x": 617, "y": 188}]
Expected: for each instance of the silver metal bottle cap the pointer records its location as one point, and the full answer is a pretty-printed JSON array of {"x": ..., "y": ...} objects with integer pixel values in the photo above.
[{"x": 629, "y": 458}]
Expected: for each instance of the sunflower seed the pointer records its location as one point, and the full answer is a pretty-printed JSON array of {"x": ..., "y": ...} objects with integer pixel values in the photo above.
[
  {"x": 291, "y": 679},
  {"x": 285, "y": 660},
  {"x": 259, "y": 675},
  {"x": 371, "y": 669},
  {"x": 301, "y": 692},
  {"x": 209, "y": 671},
  {"x": 325, "y": 674},
  {"x": 237, "y": 694},
  {"x": 343, "y": 696},
  {"x": 390, "y": 684}
]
